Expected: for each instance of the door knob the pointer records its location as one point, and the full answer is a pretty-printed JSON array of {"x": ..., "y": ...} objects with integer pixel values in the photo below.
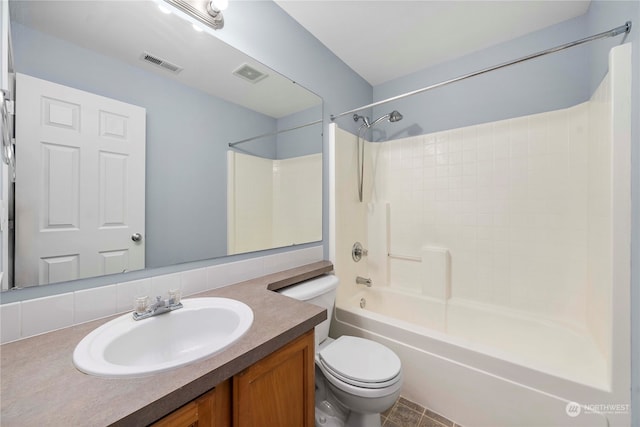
[{"x": 136, "y": 237}]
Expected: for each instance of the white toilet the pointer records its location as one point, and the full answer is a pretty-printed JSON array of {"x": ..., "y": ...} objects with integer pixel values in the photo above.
[{"x": 356, "y": 378}]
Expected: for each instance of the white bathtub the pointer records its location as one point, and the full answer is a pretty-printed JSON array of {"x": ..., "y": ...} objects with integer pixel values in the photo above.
[{"x": 481, "y": 366}]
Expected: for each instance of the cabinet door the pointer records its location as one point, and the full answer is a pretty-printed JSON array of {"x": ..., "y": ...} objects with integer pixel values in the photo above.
[
  {"x": 279, "y": 389},
  {"x": 212, "y": 409}
]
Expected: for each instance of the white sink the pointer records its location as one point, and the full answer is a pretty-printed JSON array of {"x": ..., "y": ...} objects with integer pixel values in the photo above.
[{"x": 124, "y": 347}]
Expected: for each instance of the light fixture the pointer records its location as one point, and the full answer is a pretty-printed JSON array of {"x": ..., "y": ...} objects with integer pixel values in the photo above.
[
  {"x": 215, "y": 8},
  {"x": 203, "y": 14}
]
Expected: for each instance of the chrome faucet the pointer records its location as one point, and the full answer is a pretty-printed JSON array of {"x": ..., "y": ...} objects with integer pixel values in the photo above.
[
  {"x": 144, "y": 310},
  {"x": 364, "y": 281}
]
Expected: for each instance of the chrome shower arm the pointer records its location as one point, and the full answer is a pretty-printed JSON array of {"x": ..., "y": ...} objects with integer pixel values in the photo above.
[{"x": 379, "y": 119}]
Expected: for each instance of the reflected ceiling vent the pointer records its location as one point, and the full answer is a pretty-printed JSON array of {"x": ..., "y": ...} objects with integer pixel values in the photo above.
[
  {"x": 250, "y": 74},
  {"x": 158, "y": 62}
]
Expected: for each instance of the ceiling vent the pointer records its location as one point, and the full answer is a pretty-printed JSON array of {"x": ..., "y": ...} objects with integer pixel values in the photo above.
[
  {"x": 250, "y": 74},
  {"x": 158, "y": 62}
]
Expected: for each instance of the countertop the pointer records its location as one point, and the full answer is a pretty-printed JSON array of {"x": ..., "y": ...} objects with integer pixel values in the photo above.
[{"x": 40, "y": 385}]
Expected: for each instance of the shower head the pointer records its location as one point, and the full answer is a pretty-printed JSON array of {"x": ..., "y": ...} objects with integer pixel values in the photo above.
[{"x": 395, "y": 116}]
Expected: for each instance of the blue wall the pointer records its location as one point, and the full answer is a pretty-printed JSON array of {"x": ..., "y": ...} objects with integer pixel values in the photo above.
[
  {"x": 302, "y": 141},
  {"x": 543, "y": 84}
]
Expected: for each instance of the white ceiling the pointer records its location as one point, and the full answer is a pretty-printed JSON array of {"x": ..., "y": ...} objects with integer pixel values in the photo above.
[{"x": 382, "y": 40}]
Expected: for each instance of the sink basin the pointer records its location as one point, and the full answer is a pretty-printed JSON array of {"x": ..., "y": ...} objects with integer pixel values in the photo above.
[{"x": 124, "y": 347}]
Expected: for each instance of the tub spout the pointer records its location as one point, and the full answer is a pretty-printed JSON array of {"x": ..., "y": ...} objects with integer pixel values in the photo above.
[{"x": 364, "y": 281}]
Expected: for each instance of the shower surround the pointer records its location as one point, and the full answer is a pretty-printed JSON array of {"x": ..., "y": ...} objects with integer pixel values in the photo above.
[
  {"x": 272, "y": 203},
  {"x": 498, "y": 254}
]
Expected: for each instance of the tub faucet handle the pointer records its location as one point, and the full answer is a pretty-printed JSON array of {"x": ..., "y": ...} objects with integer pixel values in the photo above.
[{"x": 357, "y": 251}]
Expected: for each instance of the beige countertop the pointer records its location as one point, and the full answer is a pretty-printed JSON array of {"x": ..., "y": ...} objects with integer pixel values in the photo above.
[{"x": 41, "y": 387}]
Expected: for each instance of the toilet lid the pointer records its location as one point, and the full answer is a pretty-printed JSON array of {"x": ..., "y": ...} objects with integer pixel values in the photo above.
[{"x": 361, "y": 361}]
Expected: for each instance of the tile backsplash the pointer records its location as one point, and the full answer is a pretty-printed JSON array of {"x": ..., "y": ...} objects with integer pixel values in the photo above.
[{"x": 37, "y": 316}]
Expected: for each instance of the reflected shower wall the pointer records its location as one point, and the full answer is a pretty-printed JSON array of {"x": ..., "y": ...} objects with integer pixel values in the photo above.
[{"x": 273, "y": 203}]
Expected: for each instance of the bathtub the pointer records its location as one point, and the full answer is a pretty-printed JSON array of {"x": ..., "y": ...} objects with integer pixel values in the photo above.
[{"x": 479, "y": 365}]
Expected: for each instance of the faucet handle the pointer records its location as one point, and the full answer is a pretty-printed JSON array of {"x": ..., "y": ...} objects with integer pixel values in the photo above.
[
  {"x": 175, "y": 296},
  {"x": 141, "y": 304}
]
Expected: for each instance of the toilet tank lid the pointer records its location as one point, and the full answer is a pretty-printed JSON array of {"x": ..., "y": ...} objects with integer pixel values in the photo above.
[{"x": 311, "y": 288}]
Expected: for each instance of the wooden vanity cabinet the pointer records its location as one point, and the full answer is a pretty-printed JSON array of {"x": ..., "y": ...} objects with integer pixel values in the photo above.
[
  {"x": 212, "y": 409},
  {"x": 275, "y": 391},
  {"x": 279, "y": 389}
]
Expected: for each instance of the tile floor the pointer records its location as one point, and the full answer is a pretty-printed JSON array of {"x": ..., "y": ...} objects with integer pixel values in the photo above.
[{"x": 405, "y": 413}]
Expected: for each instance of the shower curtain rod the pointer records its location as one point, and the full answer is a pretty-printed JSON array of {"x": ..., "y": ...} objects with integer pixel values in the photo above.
[
  {"x": 611, "y": 33},
  {"x": 233, "y": 144}
]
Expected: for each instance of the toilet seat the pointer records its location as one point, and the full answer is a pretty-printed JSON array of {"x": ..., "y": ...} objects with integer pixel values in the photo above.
[{"x": 361, "y": 362}]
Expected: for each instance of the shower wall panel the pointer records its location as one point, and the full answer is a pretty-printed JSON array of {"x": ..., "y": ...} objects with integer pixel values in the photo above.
[
  {"x": 599, "y": 214},
  {"x": 508, "y": 199}
]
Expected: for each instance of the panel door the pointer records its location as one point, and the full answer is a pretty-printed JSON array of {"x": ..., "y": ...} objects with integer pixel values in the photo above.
[
  {"x": 80, "y": 183},
  {"x": 279, "y": 389}
]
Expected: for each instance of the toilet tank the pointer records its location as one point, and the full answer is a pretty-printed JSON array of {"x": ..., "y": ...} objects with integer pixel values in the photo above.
[{"x": 319, "y": 291}]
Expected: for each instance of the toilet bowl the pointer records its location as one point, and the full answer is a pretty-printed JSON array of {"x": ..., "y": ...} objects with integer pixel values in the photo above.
[
  {"x": 356, "y": 378},
  {"x": 363, "y": 375}
]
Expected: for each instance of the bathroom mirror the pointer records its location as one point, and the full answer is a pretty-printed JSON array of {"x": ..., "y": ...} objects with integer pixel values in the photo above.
[{"x": 209, "y": 114}]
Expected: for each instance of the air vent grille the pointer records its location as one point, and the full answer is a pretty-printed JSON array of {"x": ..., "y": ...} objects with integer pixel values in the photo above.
[
  {"x": 250, "y": 74},
  {"x": 159, "y": 62}
]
